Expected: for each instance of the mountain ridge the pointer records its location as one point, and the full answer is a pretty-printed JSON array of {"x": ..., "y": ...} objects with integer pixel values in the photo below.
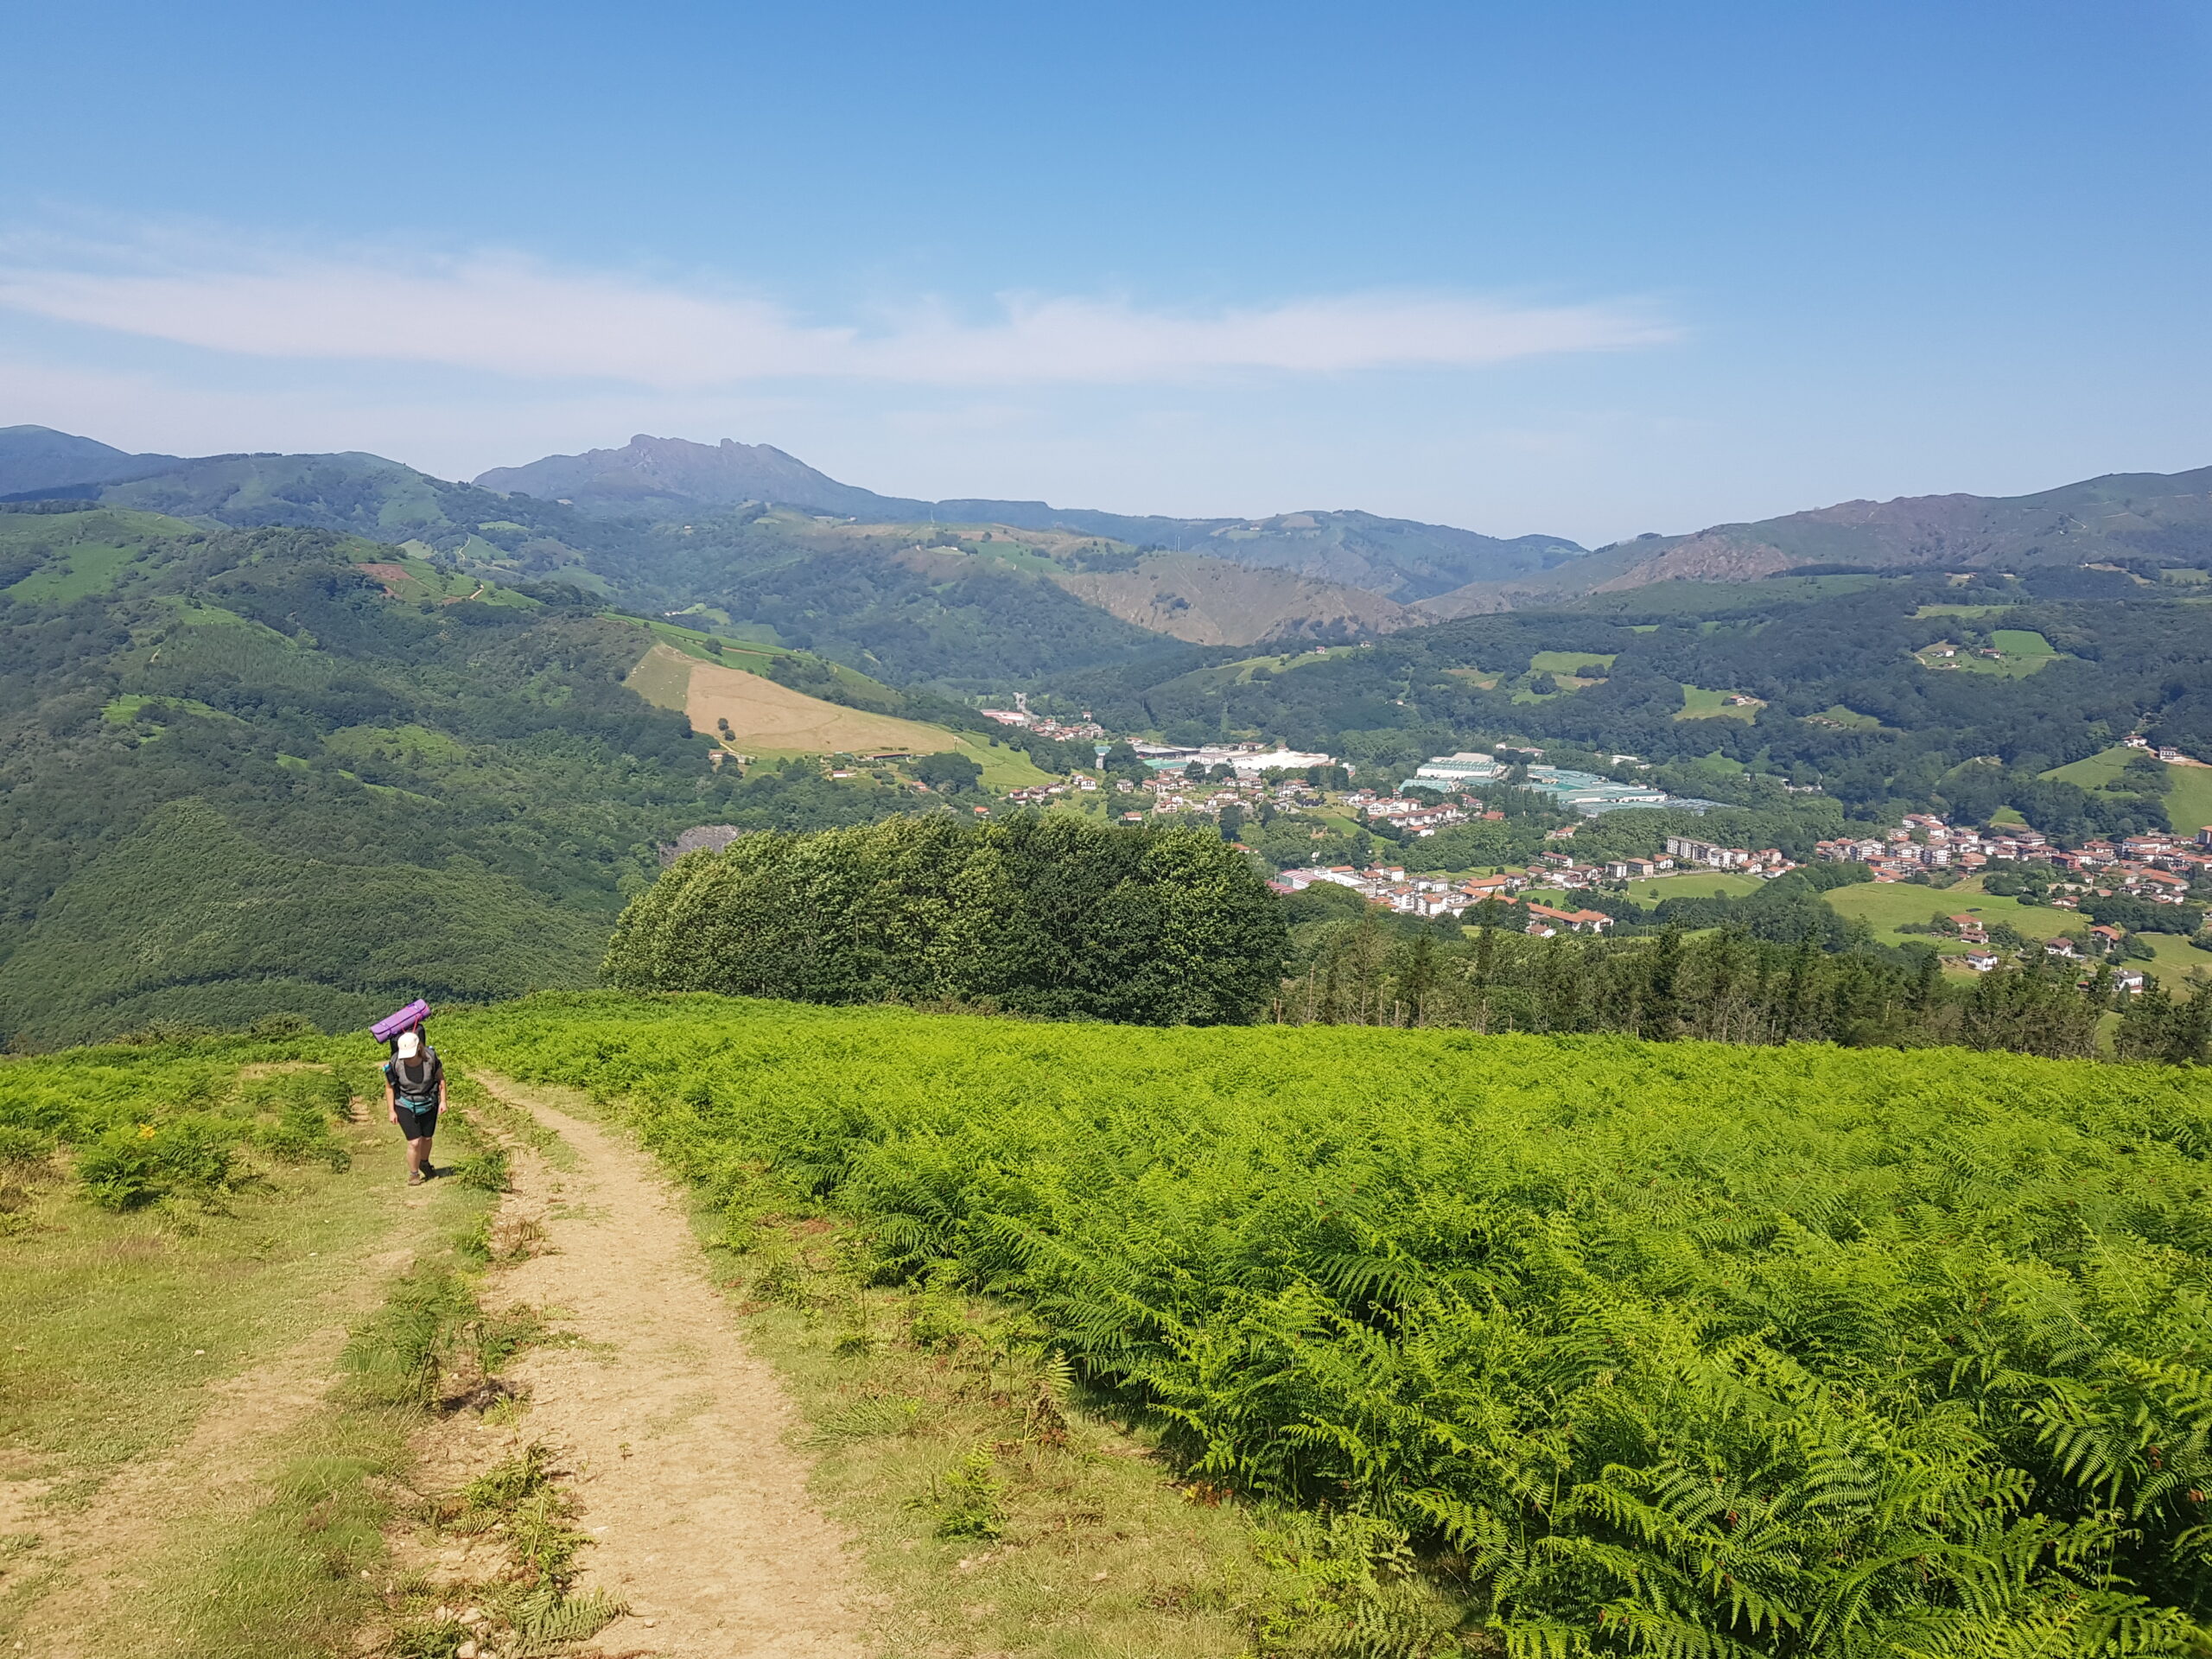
[
  {"x": 37, "y": 458},
  {"x": 672, "y": 523},
  {"x": 2116, "y": 517},
  {"x": 1399, "y": 559}
]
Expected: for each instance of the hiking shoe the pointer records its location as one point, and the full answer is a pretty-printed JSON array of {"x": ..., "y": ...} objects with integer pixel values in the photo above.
[{"x": 415, "y": 1177}]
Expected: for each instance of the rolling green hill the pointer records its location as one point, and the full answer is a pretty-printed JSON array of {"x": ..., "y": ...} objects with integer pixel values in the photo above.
[
  {"x": 248, "y": 772},
  {"x": 2100, "y": 537}
]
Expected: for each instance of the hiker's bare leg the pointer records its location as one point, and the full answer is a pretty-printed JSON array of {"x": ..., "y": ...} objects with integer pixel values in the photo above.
[{"x": 418, "y": 1157}]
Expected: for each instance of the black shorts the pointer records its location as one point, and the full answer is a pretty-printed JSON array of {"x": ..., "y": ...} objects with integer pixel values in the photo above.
[{"x": 417, "y": 1123}]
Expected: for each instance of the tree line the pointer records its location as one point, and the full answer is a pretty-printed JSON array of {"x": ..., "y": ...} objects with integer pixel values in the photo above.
[
  {"x": 1726, "y": 984},
  {"x": 1046, "y": 915}
]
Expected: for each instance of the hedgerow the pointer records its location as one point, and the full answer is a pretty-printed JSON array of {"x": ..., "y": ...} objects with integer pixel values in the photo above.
[{"x": 1679, "y": 1348}]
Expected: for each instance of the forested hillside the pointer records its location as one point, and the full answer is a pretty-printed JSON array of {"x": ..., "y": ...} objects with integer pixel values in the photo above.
[
  {"x": 240, "y": 778},
  {"x": 1849, "y": 691}
]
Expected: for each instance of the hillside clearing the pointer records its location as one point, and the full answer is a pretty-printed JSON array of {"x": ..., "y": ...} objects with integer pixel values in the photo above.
[
  {"x": 1699, "y": 704},
  {"x": 2188, "y": 788},
  {"x": 768, "y": 718}
]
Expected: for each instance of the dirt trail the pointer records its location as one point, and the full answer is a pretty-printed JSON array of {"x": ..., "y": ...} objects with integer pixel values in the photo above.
[
  {"x": 102, "y": 1554},
  {"x": 676, "y": 1434},
  {"x": 94, "y": 1561}
]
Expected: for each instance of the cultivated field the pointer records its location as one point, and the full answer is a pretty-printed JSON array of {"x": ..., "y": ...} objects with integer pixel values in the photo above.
[{"x": 766, "y": 718}]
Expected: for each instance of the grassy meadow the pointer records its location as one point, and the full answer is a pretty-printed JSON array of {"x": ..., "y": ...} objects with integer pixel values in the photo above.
[
  {"x": 2188, "y": 792},
  {"x": 1677, "y": 1347},
  {"x": 1699, "y": 704},
  {"x": 1695, "y": 884},
  {"x": 187, "y": 1230},
  {"x": 1883, "y": 905}
]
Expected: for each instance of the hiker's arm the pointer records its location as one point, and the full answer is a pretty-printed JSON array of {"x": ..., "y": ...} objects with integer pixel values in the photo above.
[
  {"x": 442, "y": 1088},
  {"x": 390, "y": 1099}
]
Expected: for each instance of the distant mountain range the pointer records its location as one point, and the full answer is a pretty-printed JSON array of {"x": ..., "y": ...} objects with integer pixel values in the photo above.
[
  {"x": 36, "y": 458},
  {"x": 2122, "y": 519},
  {"x": 1397, "y": 558},
  {"x": 754, "y": 538}
]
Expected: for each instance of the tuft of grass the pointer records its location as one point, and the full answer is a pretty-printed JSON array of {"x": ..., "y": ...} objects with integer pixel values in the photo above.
[
  {"x": 518, "y": 1500},
  {"x": 968, "y": 1500}
]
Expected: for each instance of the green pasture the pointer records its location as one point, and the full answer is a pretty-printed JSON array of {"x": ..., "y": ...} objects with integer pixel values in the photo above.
[
  {"x": 1883, "y": 905},
  {"x": 1694, "y": 884},
  {"x": 1698, "y": 703},
  {"x": 1003, "y": 768},
  {"x": 2189, "y": 792},
  {"x": 1569, "y": 662},
  {"x": 2025, "y": 652}
]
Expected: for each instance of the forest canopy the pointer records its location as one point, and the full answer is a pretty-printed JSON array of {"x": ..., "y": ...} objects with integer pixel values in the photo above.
[{"x": 1049, "y": 916}]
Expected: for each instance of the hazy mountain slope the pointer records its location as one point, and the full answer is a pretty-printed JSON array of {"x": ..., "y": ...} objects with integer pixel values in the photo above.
[
  {"x": 873, "y": 596},
  {"x": 658, "y": 477},
  {"x": 1399, "y": 558},
  {"x": 1211, "y": 601},
  {"x": 38, "y": 458},
  {"x": 359, "y": 493},
  {"x": 2158, "y": 518}
]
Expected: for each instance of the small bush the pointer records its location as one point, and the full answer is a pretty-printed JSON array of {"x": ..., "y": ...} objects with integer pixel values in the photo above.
[{"x": 272, "y": 1025}]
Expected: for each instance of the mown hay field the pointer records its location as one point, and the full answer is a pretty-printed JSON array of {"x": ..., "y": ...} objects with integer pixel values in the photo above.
[
  {"x": 1670, "y": 1348},
  {"x": 767, "y": 717}
]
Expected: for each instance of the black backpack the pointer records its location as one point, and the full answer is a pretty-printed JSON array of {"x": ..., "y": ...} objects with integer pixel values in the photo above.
[{"x": 417, "y": 1081}]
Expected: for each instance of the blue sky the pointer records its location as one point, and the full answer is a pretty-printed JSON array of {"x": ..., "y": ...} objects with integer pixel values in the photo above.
[{"x": 1590, "y": 269}]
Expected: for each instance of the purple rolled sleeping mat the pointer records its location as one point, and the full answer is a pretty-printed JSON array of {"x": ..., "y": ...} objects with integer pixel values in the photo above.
[{"x": 407, "y": 1019}]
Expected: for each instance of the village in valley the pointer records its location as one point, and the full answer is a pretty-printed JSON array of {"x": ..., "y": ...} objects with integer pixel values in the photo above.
[{"x": 1977, "y": 878}]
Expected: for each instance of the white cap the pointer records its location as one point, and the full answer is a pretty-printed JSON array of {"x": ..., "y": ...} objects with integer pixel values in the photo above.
[{"x": 411, "y": 1045}]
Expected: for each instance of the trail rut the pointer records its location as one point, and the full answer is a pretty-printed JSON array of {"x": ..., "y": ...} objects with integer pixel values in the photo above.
[{"x": 677, "y": 1435}]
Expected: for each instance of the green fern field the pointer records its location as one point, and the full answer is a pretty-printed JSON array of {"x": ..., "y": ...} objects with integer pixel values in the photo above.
[{"x": 1674, "y": 1349}]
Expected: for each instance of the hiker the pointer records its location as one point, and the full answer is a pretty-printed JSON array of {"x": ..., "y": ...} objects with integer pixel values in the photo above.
[{"x": 415, "y": 1091}]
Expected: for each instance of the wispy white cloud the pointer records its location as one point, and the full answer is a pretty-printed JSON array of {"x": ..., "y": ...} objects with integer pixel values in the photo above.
[{"x": 509, "y": 314}]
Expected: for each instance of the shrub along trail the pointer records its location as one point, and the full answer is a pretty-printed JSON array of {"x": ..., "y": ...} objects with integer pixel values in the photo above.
[{"x": 677, "y": 1433}]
